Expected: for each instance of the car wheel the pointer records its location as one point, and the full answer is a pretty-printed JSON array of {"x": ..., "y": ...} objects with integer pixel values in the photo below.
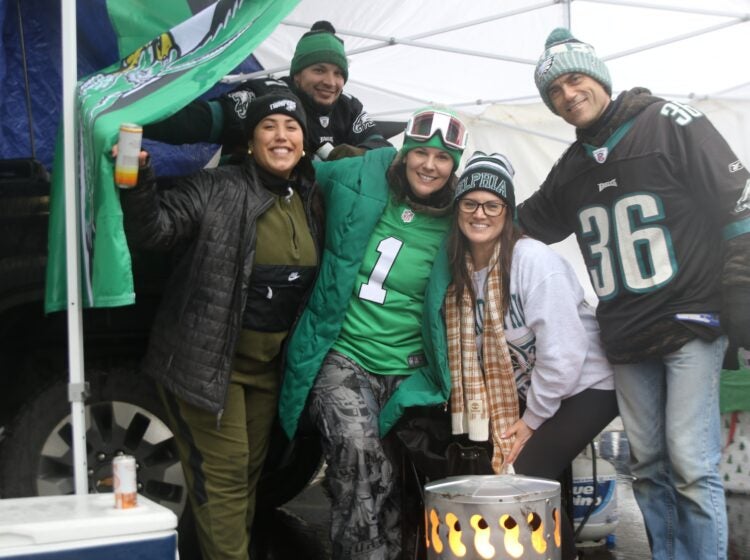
[{"x": 123, "y": 416}]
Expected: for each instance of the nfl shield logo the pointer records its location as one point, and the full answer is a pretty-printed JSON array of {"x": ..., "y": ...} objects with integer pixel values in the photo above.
[
  {"x": 600, "y": 154},
  {"x": 407, "y": 215},
  {"x": 324, "y": 122}
]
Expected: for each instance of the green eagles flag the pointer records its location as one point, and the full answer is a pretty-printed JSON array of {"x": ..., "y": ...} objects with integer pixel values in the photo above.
[
  {"x": 136, "y": 22},
  {"x": 150, "y": 84}
]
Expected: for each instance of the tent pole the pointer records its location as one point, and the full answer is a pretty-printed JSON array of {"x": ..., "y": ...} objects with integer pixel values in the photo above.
[
  {"x": 76, "y": 392},
  {"x": 423, "y": 101},
  {"x": 410, "y": 41},
  {"x": 439, "y": 31},
  {"x": 742, "y": 16},
  {"x": 524, "y": 130},
  {"x": 671, "y": 40}
]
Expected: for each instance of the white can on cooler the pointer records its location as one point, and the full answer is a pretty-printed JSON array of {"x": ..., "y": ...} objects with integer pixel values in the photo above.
[
  {"x": 128, "y": 149},
  {"x": 124, "y": 481}
]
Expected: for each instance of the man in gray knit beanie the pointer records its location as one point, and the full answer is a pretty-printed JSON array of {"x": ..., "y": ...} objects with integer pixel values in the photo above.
[
  {"x": 650, "y": 189},
  {"x": 573, "y": 82},
  {"x": 564, "y": 54}
]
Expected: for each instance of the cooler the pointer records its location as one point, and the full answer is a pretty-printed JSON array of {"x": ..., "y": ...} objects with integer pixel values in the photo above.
[{"x": 86, "y": 527}]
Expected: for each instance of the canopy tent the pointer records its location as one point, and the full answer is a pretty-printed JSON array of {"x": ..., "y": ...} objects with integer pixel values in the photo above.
[
  {"x": 404, "y": 54},
  {"x": 479, "y": 57},
  {"x": 476, "y": 56}
]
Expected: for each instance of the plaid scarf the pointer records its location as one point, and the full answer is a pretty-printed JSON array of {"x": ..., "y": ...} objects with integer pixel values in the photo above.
[{"x": 484, "y": 401}]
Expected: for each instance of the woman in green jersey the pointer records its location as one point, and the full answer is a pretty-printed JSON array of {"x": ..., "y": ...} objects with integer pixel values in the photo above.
[{"x": 362, "y": 350}]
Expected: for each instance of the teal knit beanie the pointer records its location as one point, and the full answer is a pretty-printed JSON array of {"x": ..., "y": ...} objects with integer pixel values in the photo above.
[
  {"x": 564, "y": 54},
  {"x": 492, "y": 173},
  {"x": 320, "y": 44}
]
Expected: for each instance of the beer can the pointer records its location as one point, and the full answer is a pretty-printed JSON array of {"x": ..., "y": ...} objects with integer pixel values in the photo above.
[
  {"x": 124, "y": 481},
  {"x": 128, "y": 148}
]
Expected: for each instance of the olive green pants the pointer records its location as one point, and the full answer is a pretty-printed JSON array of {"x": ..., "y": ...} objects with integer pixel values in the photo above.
[{"x": 223, "y": 461}]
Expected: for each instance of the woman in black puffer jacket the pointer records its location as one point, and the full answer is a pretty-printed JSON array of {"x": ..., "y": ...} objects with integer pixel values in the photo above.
[{"x": 249, "y": 253}]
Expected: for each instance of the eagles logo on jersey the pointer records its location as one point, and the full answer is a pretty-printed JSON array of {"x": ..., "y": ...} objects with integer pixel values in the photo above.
[
  {"x": 362, "y": 123},
  {"x": 242, "y": 99}
]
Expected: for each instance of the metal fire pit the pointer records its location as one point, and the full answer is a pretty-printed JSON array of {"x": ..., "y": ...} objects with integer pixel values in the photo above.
[{"x": 505, "y": 516}]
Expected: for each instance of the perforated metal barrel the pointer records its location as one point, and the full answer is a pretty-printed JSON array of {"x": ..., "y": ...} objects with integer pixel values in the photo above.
[{"x": 504, "y": 516}]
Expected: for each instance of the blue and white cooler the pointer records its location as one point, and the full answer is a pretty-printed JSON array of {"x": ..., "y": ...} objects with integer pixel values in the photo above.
[{"x": 86, "y": 527}]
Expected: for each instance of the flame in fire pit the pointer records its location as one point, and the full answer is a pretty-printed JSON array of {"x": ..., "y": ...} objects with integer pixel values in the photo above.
[
  {"x": 435, "y": 522},
  {"x": 482, "y": 537},
  {"x": 537, "y": 532},
  {"x": 454, "y": 535},
  {"x": 512, "y": 533}
]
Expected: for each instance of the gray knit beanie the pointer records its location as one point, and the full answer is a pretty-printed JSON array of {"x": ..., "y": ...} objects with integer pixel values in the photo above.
[
  {"x": 564, "y": 54},
  {"x": 493, "y": 173}
]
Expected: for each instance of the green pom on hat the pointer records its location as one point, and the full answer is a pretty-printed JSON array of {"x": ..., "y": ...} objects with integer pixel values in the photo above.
[
  {"x": 558, "y": 35},
  {"x": 320, "y": 44},
  {"x": 564, "y": 54}
]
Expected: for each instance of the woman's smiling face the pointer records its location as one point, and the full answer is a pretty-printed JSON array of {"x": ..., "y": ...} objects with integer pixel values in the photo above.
[{"x": 427, "y": 170}]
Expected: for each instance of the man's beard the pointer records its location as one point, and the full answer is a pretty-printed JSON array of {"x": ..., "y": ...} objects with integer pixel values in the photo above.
[{"x": 309, "y": 100}]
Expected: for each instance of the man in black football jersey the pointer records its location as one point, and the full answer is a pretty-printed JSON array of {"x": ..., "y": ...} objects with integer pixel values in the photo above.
[
  {"x": 337, "y": 124},
  {"x": 659, "y": 206}
]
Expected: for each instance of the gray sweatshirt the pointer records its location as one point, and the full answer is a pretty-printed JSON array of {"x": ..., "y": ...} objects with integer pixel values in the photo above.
[{"x": 551, "y": 331}]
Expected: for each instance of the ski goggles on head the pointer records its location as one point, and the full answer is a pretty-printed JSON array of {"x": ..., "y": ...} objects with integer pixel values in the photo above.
[{"x": 424, "y": 125}]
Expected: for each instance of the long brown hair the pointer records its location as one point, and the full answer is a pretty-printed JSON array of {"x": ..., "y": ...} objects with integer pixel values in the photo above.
[{"x": 458, "y": 248}]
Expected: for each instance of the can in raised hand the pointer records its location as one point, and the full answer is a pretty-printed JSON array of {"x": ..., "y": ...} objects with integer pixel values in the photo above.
[{"x": 128, "y": 149}]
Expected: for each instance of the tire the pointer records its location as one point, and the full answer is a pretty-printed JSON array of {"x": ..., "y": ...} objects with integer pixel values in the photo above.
[{"x": 123, "y": 415}]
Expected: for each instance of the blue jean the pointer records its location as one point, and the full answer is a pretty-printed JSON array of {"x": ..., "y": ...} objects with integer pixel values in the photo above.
[{"x": 670, "y": 410}]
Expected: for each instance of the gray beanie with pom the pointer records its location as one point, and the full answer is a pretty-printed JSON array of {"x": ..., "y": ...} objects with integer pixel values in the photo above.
[{"x": 564, "y": 54}]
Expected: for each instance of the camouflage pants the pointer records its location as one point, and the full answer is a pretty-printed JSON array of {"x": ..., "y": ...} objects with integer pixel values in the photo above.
[{"x": 362, "y": 473}]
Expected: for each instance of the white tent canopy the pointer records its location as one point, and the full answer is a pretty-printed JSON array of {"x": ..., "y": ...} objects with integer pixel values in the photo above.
[{"x": 479, "y": 56}]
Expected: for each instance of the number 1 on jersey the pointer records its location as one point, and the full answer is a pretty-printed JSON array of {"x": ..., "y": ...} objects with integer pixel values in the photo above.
[{"x": 373, "y": 289}]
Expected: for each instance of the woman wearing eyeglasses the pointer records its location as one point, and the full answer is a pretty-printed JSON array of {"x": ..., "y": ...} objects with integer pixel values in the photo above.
[
  {"x": 528, "y": 372},
  {"x": 359, "y": 354}
]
